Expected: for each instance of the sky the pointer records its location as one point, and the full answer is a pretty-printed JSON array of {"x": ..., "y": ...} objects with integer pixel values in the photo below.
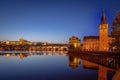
[{"x": 53, "y": 21}]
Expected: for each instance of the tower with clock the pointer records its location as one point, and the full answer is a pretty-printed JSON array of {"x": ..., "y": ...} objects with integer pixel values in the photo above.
[{"x": 103, "y": 34}]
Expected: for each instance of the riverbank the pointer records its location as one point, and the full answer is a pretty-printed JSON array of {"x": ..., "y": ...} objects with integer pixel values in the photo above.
[{"x": 93, "y": 52}]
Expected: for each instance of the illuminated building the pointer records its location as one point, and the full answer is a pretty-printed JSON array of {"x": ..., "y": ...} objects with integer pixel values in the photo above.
[
  {"x": 7, "y": 42},
  {"x": 101, "y": 42},
  {"x": 103, "y": 34},
  {"x": 12, "y": 42},
  {"x": 22, "y": 41},
  {"x": 74, "y": 42},
  {"x": 91, "y": 43}
]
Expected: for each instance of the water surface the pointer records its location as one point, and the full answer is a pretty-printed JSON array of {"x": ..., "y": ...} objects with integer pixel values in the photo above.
[{"x": 48, "y": 66}]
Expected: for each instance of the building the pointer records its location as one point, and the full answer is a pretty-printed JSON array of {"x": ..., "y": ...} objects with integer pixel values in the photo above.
[
  {"x": 91, "y": 43},
  {"x": 101, "y": 42},
  {"x": 22, "y": 41},
  {"x": 11, "y": 42},
  {"x": 103, "y": 34},
  {"x": 74, "y": 42}
]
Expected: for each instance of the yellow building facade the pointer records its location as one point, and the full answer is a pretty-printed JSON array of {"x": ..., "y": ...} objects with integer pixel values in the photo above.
[
  {"x": 103, "y": 34},
  {"x": 21, "y": 41},
  {"x": 91, "y": 43},
  {"x": 74, "y": 42}
]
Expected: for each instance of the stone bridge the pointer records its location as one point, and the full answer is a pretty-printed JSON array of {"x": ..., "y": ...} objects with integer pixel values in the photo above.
[{"x": 49, "y": 48}]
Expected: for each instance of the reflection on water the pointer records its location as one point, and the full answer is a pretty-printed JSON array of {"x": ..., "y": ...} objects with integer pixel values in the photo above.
[
  {"x": 104, "y": 64},
  {"x": 58, "y": 66},
  {"x": 24, "y": 54},
  {"x": 102, "y": 71},
  {"x": 74, "y": 62}
]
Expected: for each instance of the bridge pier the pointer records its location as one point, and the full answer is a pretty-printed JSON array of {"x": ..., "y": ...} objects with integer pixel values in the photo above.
[{"x": 48, "y": 48}]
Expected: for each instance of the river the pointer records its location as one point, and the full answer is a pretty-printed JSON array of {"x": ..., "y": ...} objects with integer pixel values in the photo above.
[{"x": 51, "y": 66}]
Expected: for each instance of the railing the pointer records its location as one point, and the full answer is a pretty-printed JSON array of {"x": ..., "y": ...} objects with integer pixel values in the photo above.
[{"x": 109, "y": 60}]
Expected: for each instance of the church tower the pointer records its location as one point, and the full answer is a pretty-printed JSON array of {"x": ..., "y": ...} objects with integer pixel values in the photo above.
[{"x": 103, "y": 34}]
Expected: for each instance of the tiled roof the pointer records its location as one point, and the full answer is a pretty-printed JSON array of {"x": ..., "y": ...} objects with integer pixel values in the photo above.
[{"x": 90, "y": 37}]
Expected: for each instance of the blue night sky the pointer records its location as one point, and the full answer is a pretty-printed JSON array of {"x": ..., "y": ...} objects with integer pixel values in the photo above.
[{"x": 53, "y": 20}]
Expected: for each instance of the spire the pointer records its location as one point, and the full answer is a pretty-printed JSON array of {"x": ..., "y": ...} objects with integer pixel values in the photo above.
[{"x": 103, "y": 18}]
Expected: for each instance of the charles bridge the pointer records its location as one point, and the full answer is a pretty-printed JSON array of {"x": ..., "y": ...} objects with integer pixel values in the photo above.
[{"x": 49, "y": 47}]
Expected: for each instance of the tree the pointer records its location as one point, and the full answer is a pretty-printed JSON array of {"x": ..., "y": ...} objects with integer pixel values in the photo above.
[{"x": 116, "y": 32}]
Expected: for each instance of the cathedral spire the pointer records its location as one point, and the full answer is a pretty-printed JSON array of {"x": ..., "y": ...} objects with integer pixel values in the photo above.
[{"x": 103, "y": 18}]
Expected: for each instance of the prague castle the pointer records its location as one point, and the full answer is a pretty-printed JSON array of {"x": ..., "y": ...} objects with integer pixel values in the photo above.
[{"x": 101, "y": 42}]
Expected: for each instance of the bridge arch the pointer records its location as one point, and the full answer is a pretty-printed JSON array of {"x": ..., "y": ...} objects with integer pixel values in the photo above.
[{"x": 49, "y": 48}]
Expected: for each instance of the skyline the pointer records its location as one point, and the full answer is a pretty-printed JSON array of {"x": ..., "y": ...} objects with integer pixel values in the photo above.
[{"x": 53, "y": 21}]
